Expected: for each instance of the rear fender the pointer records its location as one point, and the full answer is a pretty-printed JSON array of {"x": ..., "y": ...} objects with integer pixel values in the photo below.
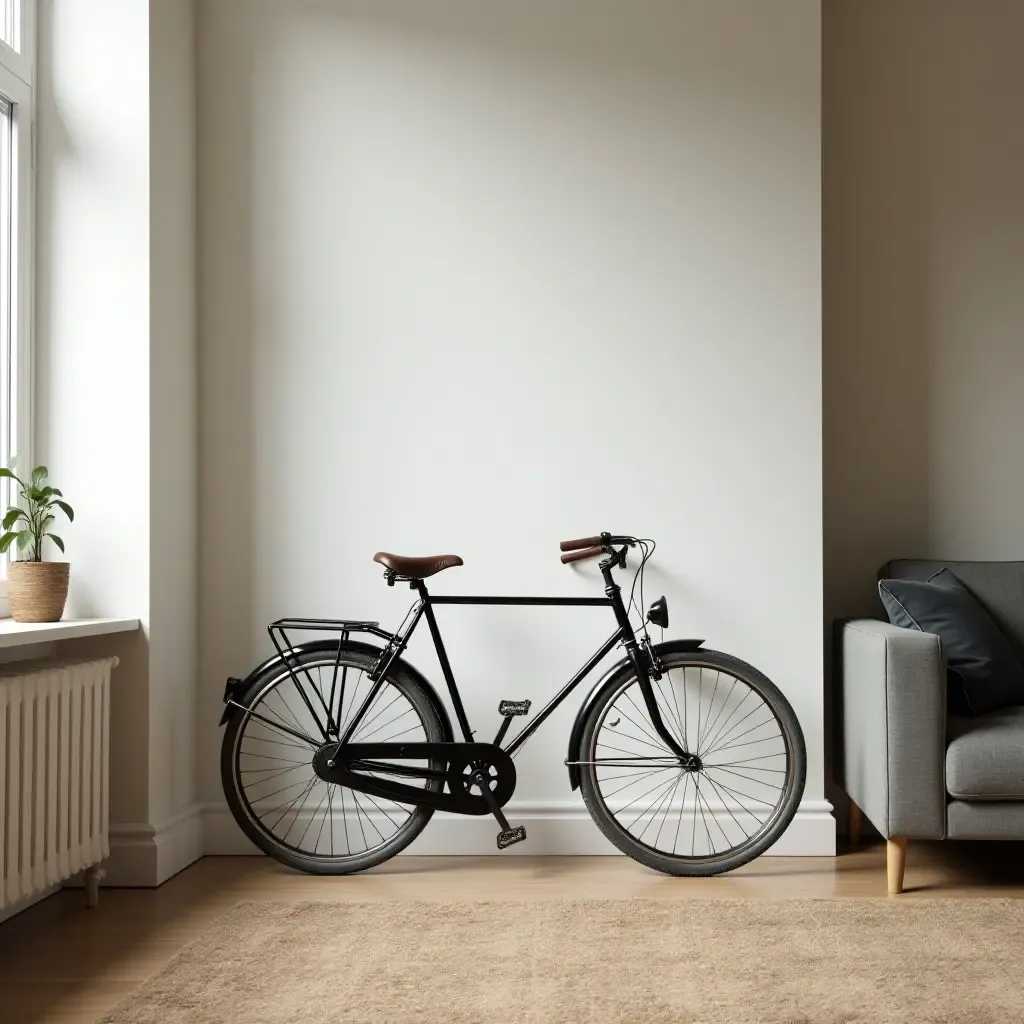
[
  {"x": 235, "y": 689},
  {"x": 619, "y": 672}
]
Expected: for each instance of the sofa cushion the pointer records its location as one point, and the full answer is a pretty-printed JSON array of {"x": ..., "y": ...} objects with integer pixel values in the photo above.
[
  {"x": 975, "y": 648},
  {"x": 985, "y": 756}
]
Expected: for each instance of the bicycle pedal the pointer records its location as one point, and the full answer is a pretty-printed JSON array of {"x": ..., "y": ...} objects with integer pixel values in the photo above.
[
  {"x": 511, "y": 837},
  {"x": 508, "y": 708}
]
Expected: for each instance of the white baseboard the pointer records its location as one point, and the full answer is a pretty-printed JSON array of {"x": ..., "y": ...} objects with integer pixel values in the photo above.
[
  {"x": 562, "y": 829},
  {"x": 145, "y": 855}
]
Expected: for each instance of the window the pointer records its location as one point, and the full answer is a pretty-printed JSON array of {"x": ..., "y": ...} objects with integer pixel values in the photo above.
[
  {"x": 8, "y": 23},
  {"x": 17, "y": 59}
]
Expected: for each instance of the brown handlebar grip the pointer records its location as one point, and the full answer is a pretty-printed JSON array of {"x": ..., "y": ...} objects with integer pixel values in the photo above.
[
  {"x": 583, "y": 542},
  {"x": 577, "y": 556}
]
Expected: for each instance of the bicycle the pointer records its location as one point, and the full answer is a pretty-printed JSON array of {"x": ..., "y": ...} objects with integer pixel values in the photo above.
[{"x": 347, "y": 722}]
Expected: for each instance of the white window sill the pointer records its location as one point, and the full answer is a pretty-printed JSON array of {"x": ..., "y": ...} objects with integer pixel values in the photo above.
[{"x": 15, "y": 634}]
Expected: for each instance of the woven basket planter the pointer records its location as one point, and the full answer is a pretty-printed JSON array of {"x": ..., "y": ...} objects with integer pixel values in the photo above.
[{"x": 37, "y": 590}]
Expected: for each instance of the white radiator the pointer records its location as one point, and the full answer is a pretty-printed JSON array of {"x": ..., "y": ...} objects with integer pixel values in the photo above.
[{"x": 54, "y": 775}]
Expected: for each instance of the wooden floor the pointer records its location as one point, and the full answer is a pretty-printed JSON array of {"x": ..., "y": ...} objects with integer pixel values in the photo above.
[{"x": 62, "y": 963}]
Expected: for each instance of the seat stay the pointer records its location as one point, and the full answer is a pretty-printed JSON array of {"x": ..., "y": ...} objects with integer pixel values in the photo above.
[{"x": 392, "y": 652}]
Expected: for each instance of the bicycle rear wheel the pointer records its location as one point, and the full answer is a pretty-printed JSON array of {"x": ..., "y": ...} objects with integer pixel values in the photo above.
[
  {"x": 714, "y": 816},
  {"x": 277, "y": 798}
]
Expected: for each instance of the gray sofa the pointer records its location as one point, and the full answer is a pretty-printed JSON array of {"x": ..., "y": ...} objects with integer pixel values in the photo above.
[{"x": 914, "y": 772}]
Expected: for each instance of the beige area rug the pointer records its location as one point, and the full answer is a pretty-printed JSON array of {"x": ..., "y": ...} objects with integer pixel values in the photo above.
[{"x": 707, "y": 961}]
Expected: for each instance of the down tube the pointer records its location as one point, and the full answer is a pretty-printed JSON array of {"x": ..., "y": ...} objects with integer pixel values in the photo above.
[{"x": 563, "y": 693}]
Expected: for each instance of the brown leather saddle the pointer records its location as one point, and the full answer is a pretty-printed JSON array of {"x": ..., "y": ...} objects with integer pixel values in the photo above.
[{"x": 416, "y": 568}]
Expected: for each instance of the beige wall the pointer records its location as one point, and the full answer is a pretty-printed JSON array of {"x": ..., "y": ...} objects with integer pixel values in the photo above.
[{"x": 923, "y": 224}]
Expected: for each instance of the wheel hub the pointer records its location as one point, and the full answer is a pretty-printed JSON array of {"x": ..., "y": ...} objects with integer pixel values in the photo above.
[{"x": 691, "y": 763}]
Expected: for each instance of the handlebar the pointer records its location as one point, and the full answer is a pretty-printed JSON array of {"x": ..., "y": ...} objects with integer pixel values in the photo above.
[
  {"x": 576, "y": 556},
  {"x": 582, "y": 542},
  {"x": 591, "y": 547}
]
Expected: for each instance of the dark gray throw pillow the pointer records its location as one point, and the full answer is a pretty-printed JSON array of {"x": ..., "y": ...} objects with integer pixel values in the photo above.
[{"x": 976, "y": 650}]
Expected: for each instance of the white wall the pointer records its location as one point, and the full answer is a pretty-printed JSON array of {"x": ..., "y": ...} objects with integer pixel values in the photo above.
[
  {"x": 92, "y": 334},
  {"x": 924, "y": 311},
  {"x": 480, "y": 276},
  {"x": 116, "y": 371}
]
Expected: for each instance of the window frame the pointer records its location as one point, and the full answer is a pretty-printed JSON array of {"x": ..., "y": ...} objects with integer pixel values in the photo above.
[{"x": 17, "y": 79}]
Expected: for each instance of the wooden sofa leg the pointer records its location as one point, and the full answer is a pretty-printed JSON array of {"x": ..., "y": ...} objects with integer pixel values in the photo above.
[
  {"x": 854, "y": 824},
  {"x": 896, "y": 863}
]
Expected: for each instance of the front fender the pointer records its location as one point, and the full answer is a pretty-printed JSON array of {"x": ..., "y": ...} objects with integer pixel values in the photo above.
[
  {"x": 616, "y": 674},
  {"x": 235, "y": 688}
]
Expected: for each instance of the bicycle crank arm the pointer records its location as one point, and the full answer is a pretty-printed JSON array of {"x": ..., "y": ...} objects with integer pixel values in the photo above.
[{"x": 346, "y": 764}]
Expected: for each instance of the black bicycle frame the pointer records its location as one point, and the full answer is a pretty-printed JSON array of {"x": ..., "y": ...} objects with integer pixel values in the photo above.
[{"x": 424, "y": 608}]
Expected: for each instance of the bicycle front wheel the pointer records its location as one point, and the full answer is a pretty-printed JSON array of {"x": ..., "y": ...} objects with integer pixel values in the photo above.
[{"x": 722, "y": 811}]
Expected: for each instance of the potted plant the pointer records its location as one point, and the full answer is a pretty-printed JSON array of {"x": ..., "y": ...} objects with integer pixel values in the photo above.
[{"x": 36, "y": 589}]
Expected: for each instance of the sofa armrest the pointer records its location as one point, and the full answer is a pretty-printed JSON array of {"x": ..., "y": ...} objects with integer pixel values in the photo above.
[{"x": 893, "y": 693}]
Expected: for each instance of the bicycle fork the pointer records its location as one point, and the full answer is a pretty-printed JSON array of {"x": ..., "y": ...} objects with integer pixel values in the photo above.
[{"x": 642, "y": 667}]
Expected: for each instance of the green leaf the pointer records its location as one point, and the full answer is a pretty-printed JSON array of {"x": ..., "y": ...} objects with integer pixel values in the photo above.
[
  {"x": 24, "y": 539},
  {"x": 56, "y": 540},
  {"x": 66, "y": 509},
  {"x": 13, "y": 515},
  {"x": 7, "y": 473},
  {"x": 59, "y": 494},
  {"x": 5, "y": 541},
  {"x": 39, "y": 474}
]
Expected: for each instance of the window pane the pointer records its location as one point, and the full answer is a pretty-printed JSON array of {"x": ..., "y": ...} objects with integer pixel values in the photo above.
[{"x": 8, "y": 22}]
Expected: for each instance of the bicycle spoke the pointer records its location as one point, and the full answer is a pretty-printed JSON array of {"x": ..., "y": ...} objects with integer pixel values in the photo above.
[
  {"x": 711, "y": 704},
  {"x": 752, "y": 711},
  {"x": 749, "y": 760},
  {"x": 301, "y": 796},
  {"x": 640, "y": 797},
  {"x": 747, "y": 796},
  {"x": 731, "y": 713},
  {"x": 633, "y": 782},
  {"x": 268, "y": 757},
  {"x": 668, "y": 806},
  {"x": 682, "y": 809},
  {"x": 725, "y": 704},
  {"x": 312, "y": 818},
  {"x": 733, "y": 772},
  {"x": 391, "y": 721},
  {"x": 745, "y": 743},
  {"x": 700, "y": 696},
  {"x": 725, "y": 804},
  {"x": 366, "y": 722},
  {"x": 717, "y": 823},
  {"x": 655, "y": 741},
  {"x": 746, "y": 732}
]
